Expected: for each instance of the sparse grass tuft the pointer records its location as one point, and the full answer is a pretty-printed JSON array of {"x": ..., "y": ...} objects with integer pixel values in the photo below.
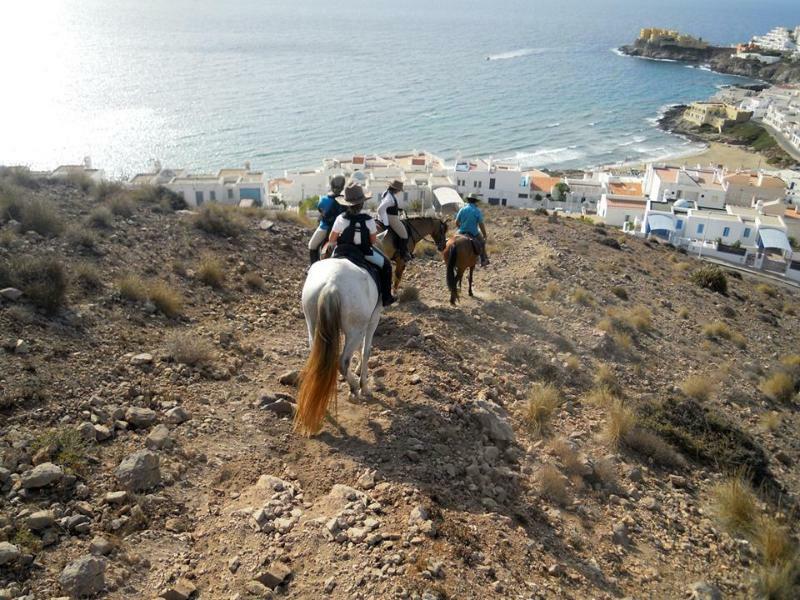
[
  {"x": 778, "y": 387},
  {"x": 552, "y": 485},
  {"x": 106, "y": 189},
  {"x": 619, "y": 424},
  {"x": 131, "y": 287},
  {"x": 735, "y": 505},
  {"x": 121, "y": 205},
  {"x": 552, "y": 290},
  {"x": 698, "y": 387},
  {"x": 43, "y": 280},
  {"x": 190, "y": 349},
  {"x": 211, "y": 271},
  {"x": 606, "y": 472},
  {"x": 81, "y": 238},
  {"x": 87, "y": 276},
  {"x": 40, "y": 216},
  {"x": 25, "y": 539},
  {"x": 605, "y": 377},
  {"x": 582, "y": 297},
  {"x": 67, "y": 448},
  {"x": 711, "y": 277},
  {"x": 254, "y": 281},
  {"x": 568, "y": 456},
  {"x": 767, "y": 290},
  {"x": 217, "y": 219},
  {"x": 792, "y": 363},
  {"x": 683, "y": 313},
  {"x": 165, "y": 299},
  {"x": 101, "y": 217},
  {"x": 773, "y": 541},
  {"x": 601, "y": 396},
  {"x": 770, "y": 421},
  {"x": 779, "y": 581},
  {"x": 409, "y": 293},
  {"x": 543, "y": 401},
  {"x": 651, "y": 445},
  {"x": 718, "y": 330}
]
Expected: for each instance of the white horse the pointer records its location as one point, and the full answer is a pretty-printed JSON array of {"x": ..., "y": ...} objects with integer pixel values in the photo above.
[{"x": 338, "y": 297}]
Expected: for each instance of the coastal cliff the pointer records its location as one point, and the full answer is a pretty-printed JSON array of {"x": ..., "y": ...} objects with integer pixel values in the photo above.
[{"x": 718, "y": 59}]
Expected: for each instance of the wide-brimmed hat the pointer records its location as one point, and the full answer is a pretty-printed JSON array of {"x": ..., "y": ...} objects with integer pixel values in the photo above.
[
  {"x": 396, "y": 185},
  {"x": 353, "y": 195},
  {"x": 473, "y": 198}
]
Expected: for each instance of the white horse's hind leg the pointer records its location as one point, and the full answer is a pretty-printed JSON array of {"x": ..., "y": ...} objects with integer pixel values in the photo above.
[
  {"x": 351, "y": 341},
  {"x": 367, "y": 348}
]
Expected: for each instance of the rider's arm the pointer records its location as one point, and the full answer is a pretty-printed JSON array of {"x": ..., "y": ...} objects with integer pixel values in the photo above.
[
  {"x": 334, "y": 235},
  {"x": 382, "y": 214},
  {"x": 373, "y": 239},
  {"x": 483, "y": 229}
]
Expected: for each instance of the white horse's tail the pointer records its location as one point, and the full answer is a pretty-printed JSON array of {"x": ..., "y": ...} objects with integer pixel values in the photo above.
[{"x": 318, "y": 380}]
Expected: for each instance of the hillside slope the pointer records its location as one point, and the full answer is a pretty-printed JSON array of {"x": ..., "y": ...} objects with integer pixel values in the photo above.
[{"x": 561, "y": 435}]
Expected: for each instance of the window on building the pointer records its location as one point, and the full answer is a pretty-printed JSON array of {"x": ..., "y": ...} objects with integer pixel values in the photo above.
[
  {"x": 746, "y": 232},
  {"x": 504, "y": 201},
  {"x": 700, "y": 227},
  {"x": 494, "y": 201},
  {"x": 491, "y": 183},
  {"x": 198, "y": 198},
  {"x": 230, "y": 194},
  {"x": 726, "y": 232},
  {"x": 679, "y": 224},
  {"x": 474, "y": 184},
  {"x": 480, "y": 184},
  {"x": 212, "y": 195},
  {"x": 524, "y": 196}
]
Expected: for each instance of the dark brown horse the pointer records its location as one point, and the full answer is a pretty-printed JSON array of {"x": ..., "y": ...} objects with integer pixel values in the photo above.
[
  {"x": 418, "y": 228},
  {"x": 459, "y": 255}
]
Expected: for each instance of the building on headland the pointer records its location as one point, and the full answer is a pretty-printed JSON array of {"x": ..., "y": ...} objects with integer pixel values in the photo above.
[
  {"x": 715, "y": 114},
  {"x": 670, "y": 37},
  {"x": 82, "y": 170},
  {"x": 780, "y": 39},
  {"x": 227, "y": 186}
]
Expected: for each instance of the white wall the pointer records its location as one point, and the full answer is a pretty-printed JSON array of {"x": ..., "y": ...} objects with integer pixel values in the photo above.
[{"x": 506, "y": 186}]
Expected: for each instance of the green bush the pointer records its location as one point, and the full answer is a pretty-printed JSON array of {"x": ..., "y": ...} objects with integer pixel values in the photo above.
[
  {"x": 711, "y": 277},
  {"x": 43, "y": 280}
]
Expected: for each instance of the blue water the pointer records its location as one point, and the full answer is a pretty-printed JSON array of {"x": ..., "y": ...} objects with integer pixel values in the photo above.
[{"x": 205, "y": 84}]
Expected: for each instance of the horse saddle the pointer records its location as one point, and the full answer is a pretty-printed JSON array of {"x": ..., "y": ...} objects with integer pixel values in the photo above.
[
  {"x": 355, "y": 256},
  {"x": 477, "y": 244}
]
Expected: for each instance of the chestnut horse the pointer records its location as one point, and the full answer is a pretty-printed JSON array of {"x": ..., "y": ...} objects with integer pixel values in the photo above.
[
  {"x": 459, "y": 255},
  {"x": 418, "y": 228}
]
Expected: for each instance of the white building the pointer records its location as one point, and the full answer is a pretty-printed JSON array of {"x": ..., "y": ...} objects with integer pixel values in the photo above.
[
  {"x": 228, "y": 186},
  {"x": 83, "y": 170},
  {"x": 622, "y": 203},
  {"x": 779, "y": 39},
  {"x": 499, "y": 183},
  {"x": 745, "y": 188},
  {"x": 701, "y": 186}
]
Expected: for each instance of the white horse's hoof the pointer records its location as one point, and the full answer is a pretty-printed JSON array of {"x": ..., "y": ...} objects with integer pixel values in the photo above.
[{"x": 353, "y": 397}]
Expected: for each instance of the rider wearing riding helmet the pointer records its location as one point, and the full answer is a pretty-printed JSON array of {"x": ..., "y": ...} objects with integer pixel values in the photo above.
[
  {"x": 389, "y": 214},
  {"x": 328, "y": 209},
  {"x": 357, "y": 229},
  {"x": 469, "y": 221}
]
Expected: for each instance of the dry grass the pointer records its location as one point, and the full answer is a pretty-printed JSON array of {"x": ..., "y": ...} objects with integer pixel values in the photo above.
[
  {"x": 770, "y": 421},
  {"x": 735, "y": 505},
  {"x": 717, "y": 330},
  {"x": 601, "y": 396},
  {"x": 552, "y": 290},
  {"x": 606, "y": 472},
  {"x": 552, "y": 485},
  {"x": 779, "y": 581},
  {"x": 605, "y": 377},
  {"x": 582, "y": 296},
  {"x": 698, "y": 387},
  {"x": 100, "y": 217},
  {"x": 683, "y": 313},
  {"x": 568, "y": 456},
  {"x": 165, "y": 299},
  {"x": 635, "y": 320},
  {"x": 767, "y": 290},
  {"x": 121, "y": 205},
  {"x": 652, "y": 446},
  {"x": 573, "y": 363},
  {"x": 190, "y": 349},
  {"x": 620, "y": 292},
  {"x": 42, "y": 280},
  {"x": 82, "y": 238},
  {"x": 211, "y": 271},
  {"x": 87, "y": 276},
  {"x": 791, "y": 362},
  {"x": 220, "y": 220},
  {"x": 543, "y": 401},
  {"x": 778, "y": 387},
  {"x": 682, "y": 267},
  {"x": 40, "y": 216},
  {"x": 409, "y": 293},
  {"x": 773, "y": 541},
  {"x": 621, "y": 420},
  {"x": 254, "y": 281},
  {"x": 290, "y": 216},
  {"x": 67, "y": 448},
  {"x": 132, "y": 287}
]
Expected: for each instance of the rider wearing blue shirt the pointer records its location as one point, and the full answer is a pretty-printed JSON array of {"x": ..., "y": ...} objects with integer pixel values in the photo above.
[
  {"x": 470, "y": 222},
  {"x": 329, "y": 209}
]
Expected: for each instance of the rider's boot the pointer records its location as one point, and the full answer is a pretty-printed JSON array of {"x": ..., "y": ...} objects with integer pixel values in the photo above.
[
  {"x": 484, "y": 258},
  {"x": 403, "y": 249},
  {"x": 386, "y": 284},
  {"x": 313, "y": 256}
]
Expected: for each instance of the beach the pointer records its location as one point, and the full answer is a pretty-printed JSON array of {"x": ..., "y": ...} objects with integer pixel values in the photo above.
[{"x": 731, "y": 157}]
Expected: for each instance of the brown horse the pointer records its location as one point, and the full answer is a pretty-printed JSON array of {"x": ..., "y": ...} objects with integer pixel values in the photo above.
[
  {"x": 418, "y": 228},
  {"x": 460, "y": 255}
]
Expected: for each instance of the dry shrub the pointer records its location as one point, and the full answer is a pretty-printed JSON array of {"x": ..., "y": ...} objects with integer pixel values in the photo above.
[
  {"x": 791, "y": 363},
  {"x": 719, "y": 330},
  {"x": 568, "y": 456},
  {"x": 43, "y": 280},
  {"x": 552, "y": 290},
  {"x": 767, "y": 290},
  {"x": 605, "y": 377},
  {"x": 190, "y": 349},
  {"x": 81, "y": 238},
  {"x": 735, "y": 505},
  {"x": 619, "y": 423},
  {"x": 409, "y": 294},
  {"x": 683, "y": 313},
  {"x": 290, "y": 216},
  {"x": 649, "y": 444},
  {"x": 778, "y": 387},
  {"x": 543, "y": 401},
  {"x": 121, "y": 205},
  {"x": 87, "y": 276},
  {"x": 606, "y": 472},
  {"x": 221, "y": 220},
  {"x": 601, "y": 396},
  {"x": 552, "y": 485},
  {"x": 40, "y": 216},
  {"x": 254, "y": 281},
  {"x": 132, "y": 287},
  {"x": 165, "y": 299},
  {"x": 698, "y": 387},
  {"x": 712, "y": 278},
  {"x": 211, "y": 271},
  {"x": 770, "y": 421},
  {"x": 779, "y": 581},
  {"x": 100, "y": 217},
  {"x": 620, "y": 292},
  {"x": 106, "y": 189},
  {"x": 582, "y": 297},
  {"x": 67, "y": 448}
]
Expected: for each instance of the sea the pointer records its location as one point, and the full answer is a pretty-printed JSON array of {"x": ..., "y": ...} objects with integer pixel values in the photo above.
[{"x": 205, "y": 84}]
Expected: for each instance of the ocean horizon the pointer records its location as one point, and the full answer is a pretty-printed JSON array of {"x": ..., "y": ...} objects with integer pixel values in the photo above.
[{"x": 203, "y": 85}]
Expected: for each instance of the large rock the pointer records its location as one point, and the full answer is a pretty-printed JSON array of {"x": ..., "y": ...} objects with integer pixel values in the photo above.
[
  {"x": 41, "y": 519},
  {"x": 140, "y": 417},
  {"x": 275, "y": 575},
  {"x": 42, "y": 475},
  {"x": 182, "y": 590},
  {"x": 493, "y": 419},
  {"x": 177, "y": 415},
  {"x": 140, "y": 471},
  {"x": 142, "y": 359},
  {"x": 159, "y": 438},
  {"x": 703, "y": 590},
  {"x": 8, "y": 553},
  {"x": 83, "y": 577},
  {"x": 10, "y": 293}
]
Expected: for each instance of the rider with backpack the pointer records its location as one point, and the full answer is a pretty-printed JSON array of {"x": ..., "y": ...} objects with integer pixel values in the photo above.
[
  {"x": 389, "y": 214},
  {"x": 329, "y": 209},
  {"x": 354, "y": 229}
]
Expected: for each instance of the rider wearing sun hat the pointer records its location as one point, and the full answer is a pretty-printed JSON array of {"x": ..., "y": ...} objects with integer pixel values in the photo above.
[
  {"x": 357, "y": 229},
  {"x": 389, "y": 214},
  {"x": 470, "y": 223}
]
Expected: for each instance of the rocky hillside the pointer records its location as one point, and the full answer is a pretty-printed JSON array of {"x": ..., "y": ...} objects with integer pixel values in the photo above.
[
  {"x": 719, "y": 59},
  {"x": 606, "y": 418}
]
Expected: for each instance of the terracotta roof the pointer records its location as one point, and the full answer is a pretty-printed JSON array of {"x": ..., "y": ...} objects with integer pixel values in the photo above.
[
  {"x": 792, "y": 213},
  {"x": 625, "y": 189},
  {"x": 543, "y": 183},
  {"x": 751, "y": 179},
  {"x": 668, "y": 174},
  {"x": 641, "y": 204}
]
